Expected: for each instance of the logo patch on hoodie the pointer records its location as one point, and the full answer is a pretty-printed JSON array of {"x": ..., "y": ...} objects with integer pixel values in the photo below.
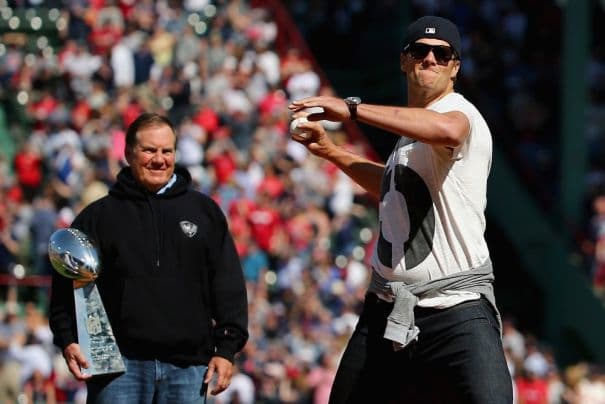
[{"x": 188, "y": 228}]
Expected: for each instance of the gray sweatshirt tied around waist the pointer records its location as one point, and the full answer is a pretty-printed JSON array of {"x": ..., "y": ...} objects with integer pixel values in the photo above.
[{"x": 401, "y": 328}]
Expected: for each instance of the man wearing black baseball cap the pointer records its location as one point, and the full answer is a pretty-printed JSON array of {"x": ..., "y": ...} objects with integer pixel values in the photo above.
[
  {"x": 430, "y": 330},
  {"x": 434, "y": 27}
]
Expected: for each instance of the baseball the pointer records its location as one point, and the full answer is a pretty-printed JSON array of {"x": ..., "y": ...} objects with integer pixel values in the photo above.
[{"x": 294, "y": 129}]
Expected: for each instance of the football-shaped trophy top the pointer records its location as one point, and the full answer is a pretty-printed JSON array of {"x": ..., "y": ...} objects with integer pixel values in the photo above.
[{"x": 73, "y": 255}]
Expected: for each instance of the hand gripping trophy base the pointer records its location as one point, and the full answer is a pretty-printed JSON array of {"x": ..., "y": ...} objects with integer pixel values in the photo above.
[
  {"x": 74, "y": 256},
  {"x": 95, "y": 335}
]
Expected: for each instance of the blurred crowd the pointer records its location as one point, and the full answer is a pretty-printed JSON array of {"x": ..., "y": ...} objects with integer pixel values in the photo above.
[{"x": 303, "y": 229}]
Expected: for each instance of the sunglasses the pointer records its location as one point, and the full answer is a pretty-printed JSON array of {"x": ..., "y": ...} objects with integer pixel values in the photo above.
[{"x": 443, "y": 54}]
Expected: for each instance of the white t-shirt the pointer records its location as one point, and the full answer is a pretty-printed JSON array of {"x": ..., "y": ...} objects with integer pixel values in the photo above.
[{"x": 433, "y": 199}]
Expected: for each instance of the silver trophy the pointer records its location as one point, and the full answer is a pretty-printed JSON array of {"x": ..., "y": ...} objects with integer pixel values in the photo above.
[{"x": 74, "y": 256}]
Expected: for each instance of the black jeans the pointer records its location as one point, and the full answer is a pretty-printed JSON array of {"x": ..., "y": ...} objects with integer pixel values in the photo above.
[{"x": 458, "y": 358}]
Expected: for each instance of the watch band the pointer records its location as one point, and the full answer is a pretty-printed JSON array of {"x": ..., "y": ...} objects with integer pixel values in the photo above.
[
  {"x": 353, "y": 111},
  {"x": 352, "y": 103}
]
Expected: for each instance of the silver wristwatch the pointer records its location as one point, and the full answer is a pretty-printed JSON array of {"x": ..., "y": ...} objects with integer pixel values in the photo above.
[{"x": 352, "y": 103}]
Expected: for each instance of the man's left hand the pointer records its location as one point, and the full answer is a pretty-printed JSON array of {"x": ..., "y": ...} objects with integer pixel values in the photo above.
[{"x": 223, "y": 369}]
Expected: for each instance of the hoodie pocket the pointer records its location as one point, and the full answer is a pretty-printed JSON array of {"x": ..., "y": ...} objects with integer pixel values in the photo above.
[{"x": 166, "y": 311}]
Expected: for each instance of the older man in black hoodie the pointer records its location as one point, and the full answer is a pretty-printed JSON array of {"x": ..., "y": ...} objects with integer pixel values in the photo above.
[{"x": 172, "y": 284}]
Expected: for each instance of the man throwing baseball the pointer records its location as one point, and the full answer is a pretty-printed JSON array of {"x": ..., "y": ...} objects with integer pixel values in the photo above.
[{"x": 429, "y": 331}]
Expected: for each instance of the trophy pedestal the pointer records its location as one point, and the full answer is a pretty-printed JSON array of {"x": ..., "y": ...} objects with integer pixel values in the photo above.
[{"x": 95, "y": 335}]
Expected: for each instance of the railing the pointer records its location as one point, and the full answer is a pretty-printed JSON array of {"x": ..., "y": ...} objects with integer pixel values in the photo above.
[{"x": 30, "y": 280}]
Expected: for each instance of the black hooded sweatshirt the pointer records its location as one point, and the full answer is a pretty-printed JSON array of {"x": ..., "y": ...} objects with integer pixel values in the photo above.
[{"x": 169, "y": 271}]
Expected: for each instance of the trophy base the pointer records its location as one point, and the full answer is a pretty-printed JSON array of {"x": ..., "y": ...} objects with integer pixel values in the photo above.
[{"x": 95, "y": 335}]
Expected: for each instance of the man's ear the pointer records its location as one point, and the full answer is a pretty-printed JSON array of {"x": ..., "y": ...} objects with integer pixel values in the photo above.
[
  {"x": 455, "y": 70},
  {"x": 128, "y": 154},
  {"x": 404, "y": 62}
]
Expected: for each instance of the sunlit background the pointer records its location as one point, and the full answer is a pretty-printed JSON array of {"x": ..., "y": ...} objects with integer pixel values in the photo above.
[{"x": 74, "y": 74}]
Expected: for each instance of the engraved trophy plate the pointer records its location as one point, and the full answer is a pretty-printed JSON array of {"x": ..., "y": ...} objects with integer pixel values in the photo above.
[{"x": 73, "y": 255}]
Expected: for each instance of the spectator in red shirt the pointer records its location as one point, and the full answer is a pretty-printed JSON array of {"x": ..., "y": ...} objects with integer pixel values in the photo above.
[
  {"x": 43, "y": 106},
  {"x": 104, "y": 36},
  {"x": 531, "y": 389},
  {"x": 207, "y": 118},
  {"x": 28, "y": 169},
  {"x": 223, "y": 156},
  {"x": 264, "y": 221}
]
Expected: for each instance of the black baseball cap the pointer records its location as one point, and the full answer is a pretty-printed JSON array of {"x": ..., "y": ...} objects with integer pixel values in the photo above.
[{"x": 431, "y": 26}]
